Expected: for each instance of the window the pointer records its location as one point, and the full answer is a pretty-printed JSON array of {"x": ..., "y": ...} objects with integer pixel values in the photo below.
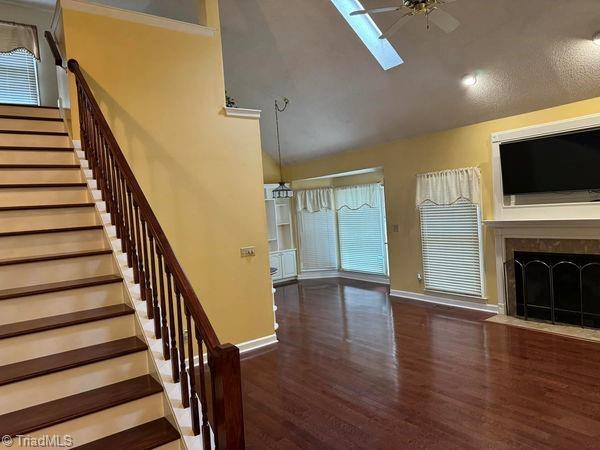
[
  {"x": 317, "y": 234},
  {"x": 369, "y": 33},
  {"x": 451, "y": 240},
  {"x": 18, "y": 78},
  {"x": 362, "y": 238}
]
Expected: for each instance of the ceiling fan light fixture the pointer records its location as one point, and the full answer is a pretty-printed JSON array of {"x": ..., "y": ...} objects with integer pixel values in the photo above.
[
  {"x": 469, "y": 80},
  {"x": 596, "y": 39}
]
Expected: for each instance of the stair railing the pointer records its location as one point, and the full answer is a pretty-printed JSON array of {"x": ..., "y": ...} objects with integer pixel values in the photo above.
[{"x": 211, "y": 388}]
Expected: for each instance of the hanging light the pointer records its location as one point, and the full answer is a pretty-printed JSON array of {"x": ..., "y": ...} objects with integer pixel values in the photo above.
[{"x": 281, "y": 191}]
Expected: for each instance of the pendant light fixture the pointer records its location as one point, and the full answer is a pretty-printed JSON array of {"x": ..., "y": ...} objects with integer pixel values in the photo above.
[{"x": 281, "y": 191}]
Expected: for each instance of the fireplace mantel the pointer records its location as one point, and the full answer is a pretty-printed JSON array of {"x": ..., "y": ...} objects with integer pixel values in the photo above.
[{"x": 542, "y": 223}]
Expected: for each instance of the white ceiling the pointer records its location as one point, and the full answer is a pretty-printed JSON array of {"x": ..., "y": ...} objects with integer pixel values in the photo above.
[{"x": 529, "y": 55}]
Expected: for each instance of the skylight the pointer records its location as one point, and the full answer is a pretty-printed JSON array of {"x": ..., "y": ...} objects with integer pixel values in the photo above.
[{"x": 369, "y": 33}]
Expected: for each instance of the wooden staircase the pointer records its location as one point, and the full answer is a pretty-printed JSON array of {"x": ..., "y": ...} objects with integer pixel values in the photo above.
[{"x": 74, "y": 359}]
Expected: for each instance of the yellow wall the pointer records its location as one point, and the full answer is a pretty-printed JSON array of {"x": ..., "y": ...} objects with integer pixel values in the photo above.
[
  {"x": 270, "y": 169},
  {"x": 402, "y": 160},
  {"x": 163, "y": 94}
]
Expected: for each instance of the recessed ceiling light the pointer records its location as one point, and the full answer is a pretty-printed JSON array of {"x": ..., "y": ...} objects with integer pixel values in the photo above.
[
  {"x": 469, "y": 80},
  {"x": 596, "y": 38}
]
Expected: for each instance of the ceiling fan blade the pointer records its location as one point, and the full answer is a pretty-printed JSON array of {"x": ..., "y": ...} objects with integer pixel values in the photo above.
[
  {"x": 376, "y": 10},
  {"x": 396, "y": 25},
  {"x": 443, "y": 20}
]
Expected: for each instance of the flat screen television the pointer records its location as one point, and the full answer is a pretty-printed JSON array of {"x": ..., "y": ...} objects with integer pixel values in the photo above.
[{"x": 565, "y": 162}]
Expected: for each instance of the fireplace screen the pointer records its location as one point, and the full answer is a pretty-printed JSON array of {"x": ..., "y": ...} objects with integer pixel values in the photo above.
[{"x": 554, "y": 287}]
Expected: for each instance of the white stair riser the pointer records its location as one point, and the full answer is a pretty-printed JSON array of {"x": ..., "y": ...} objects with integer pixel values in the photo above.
[
  {"x": 43, "y": 196},
  {"x": 110, "y": 421},
  {"x": 34, "y": 140},
  {"x": 20, "y": 275},
  {"x": 31, "y": 125},
  {"x": 175, "y": 445},
  {"x": 38, "y": 219},
  {"x": 36, "y": 157},
  {"x": 41, "y": 176},
  {"x": 46, "y": 388},
  {"x": 64, "y": 302},
  {"x": 26, "y": 111},
  {"x": 46, "y": 343},
  {"x": 52, "y": 243}
]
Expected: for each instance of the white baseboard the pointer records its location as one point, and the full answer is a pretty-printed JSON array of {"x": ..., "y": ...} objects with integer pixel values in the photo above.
[
  {"x": 255, "y": 344},
  {"x": 342, "y": 274},
  {"x": 439, "y": 300},
  {"x": 76, "y": 144},
  {"x": 247, "y": 346}
]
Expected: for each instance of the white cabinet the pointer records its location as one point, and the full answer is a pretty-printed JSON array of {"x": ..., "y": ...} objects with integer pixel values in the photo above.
[
  {"x": 275, "y": 261},
  {"x": 281, "y": 237},
  {"x": 288, "y": 262},
  {"x": 285, "y": 263}
]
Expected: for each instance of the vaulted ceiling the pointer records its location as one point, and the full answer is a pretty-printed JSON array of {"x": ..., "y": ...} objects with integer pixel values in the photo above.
[{"x": 528, "y": 55}]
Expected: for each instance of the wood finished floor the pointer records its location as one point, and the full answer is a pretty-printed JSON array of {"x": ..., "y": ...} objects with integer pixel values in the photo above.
[{"x": 356, "y": 370}]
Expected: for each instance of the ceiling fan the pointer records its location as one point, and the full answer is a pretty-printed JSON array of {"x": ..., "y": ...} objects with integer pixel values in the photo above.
[{"x": 428, "y": 8}]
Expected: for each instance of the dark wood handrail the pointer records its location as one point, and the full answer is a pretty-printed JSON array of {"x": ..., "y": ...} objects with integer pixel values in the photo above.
[
  {"x": 54, "y": 49},
  {"x": 212, "y": 390},
  {"x": 186, "y": 289}
]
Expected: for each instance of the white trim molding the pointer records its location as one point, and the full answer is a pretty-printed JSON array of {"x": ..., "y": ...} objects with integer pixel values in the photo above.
[
  {"x": 438, "y": 300},
  {"x": 502, "y": 211},
  {"x": 137, "y": 17},
  {"x": 317, "y": 274},
  {"x": 242, "y": 112},
  {"x": 255, "y": 344}
]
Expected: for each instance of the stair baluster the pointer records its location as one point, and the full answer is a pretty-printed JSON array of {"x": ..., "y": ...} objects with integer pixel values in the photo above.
[
  {"x": 172, "y": 332},
  {"x": 164, "y": 329},
  {"x": 192, "y": 373}
]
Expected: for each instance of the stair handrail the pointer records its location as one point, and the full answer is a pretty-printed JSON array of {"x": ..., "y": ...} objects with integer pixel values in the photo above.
[
  {"x": 139, "y": 229},
  {"x": 58, "y": 59}
]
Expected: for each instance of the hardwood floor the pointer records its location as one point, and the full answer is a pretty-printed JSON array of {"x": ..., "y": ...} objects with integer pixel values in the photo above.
[{"x": 356, "y": 370}]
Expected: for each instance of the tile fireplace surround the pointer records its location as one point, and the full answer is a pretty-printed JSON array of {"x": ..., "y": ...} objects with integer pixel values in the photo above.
[
  {"x": 530, "y": 236},
  {"x": 537, "y": 245}
]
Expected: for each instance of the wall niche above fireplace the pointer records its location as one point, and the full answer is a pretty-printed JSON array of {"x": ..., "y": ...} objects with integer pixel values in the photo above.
[{"x": 555, "y": 287}]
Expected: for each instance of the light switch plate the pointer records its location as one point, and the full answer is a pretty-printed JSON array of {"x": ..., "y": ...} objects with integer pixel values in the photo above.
[{"x": 248, "y": 251}]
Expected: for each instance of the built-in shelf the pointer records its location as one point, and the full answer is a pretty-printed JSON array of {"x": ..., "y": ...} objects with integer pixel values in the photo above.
[
  {"x": 282, "y": 224},
  {"x": 242, "y": 112}
]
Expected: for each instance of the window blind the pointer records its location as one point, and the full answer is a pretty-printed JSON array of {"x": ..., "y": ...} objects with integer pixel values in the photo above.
[
  {"x": 362, "y": 238},
  {"x": 451, "y": 242},
  {"x": 18, "y": 78},
  {"x": 318, "y": 240}
]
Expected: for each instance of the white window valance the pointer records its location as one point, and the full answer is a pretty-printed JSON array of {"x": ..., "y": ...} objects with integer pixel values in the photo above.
[
  {"x": 314, "y": 200},
  {"x": 14, "y": 36},
  {"x": 449, "y": 186},
  {"x": 355, "y": 197}
]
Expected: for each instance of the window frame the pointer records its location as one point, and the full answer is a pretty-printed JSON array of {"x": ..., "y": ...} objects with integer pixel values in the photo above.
[
  {"x": 384, "y": 243},
  {"x": 481, "y": 257},
  {"x": 36, "y": 77}
]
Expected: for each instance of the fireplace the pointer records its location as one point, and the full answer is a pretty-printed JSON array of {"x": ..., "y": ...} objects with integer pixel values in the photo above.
[{"x": 561, "y": 288}]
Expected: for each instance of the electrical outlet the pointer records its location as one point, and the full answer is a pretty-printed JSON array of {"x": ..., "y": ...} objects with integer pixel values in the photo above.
[{"x": 248, "y": 251}]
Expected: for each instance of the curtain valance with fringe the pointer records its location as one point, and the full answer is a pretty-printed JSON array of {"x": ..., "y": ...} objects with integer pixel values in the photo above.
[
  {"x": 355, "y": 197},
  {"x": 14, "y": 36},
  {"x": 449, "y": 186}
]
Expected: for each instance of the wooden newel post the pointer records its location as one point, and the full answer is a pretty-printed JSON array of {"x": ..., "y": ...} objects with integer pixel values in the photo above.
[{"x": 227, "y": 398}]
